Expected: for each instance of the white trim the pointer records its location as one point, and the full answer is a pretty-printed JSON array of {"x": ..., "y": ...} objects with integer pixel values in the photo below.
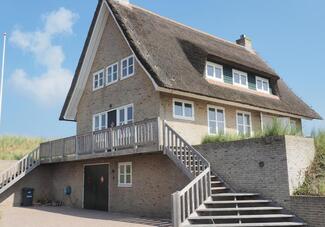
[
  {"x": 98, "y": 73},
  {"x": 121, "y": 67},
  {"x": 224, "y": 118},
  {"x": 263, "y": 80},
  {"x": 117, "y": 76},
  {"x": 100, "y": 120},
  {"x": 241, "y": 73},
  {"x": 214, "y": 65},
  {"x": 262, "y": 122},
  {"x": 250, "y": 120},
  {"x": 183, "y": 106},
  {"x": 124, "y": 185},
  {"x": 225, "y": 102},
  {"x": 83, "y": 183}
]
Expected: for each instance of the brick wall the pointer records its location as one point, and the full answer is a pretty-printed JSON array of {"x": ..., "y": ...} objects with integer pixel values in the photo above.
[
  {"x": 270, "y": 166},
  {"x": 310, "y": 209}
]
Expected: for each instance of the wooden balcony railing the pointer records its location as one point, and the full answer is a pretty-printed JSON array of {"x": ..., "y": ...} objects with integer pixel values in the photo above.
[{"x": 139, "y": 136}]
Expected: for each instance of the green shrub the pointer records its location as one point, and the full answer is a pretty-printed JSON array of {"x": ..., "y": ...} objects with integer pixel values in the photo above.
[
  {"x": 15, "y": 147},
  {"x": 222, "y": 138}
]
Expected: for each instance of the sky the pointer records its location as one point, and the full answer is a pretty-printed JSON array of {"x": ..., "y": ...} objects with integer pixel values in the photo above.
[{"x": 45, "y": 39}]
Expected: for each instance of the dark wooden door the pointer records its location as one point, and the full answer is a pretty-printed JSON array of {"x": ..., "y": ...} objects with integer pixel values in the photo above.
[
  {"x": 111, "y": 119},
  {"x": 96, "y": 187}
]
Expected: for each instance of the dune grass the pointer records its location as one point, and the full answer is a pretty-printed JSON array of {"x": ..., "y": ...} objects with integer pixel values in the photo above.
[
  {"x": 274, "y": 129},
  {"x": 15, "y": 147},
  {"x": 315, "y": 177}
]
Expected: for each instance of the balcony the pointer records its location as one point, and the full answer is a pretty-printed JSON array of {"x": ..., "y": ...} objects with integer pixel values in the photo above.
[{"x": 138, "y": 137}]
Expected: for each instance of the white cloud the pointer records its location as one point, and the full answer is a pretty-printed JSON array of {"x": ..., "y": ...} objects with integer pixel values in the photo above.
[{"x": 52, "y": 85}]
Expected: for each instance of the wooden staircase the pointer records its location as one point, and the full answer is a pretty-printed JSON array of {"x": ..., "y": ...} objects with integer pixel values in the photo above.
[
  {"x": 18, "y": 170},
  {"x": 208, "y": 201}
]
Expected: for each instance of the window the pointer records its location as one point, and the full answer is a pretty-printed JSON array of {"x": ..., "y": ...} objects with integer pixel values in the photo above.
[
  {"x": 216, "y": 120},
  {"x": 127, "y": 67},
  {"x": 99, "y": 121},
  {"x": 183, "y": 109},
  {"x": 125, "y": 174},
  {"x": 244, "y": 123},
  {"x": 262, "y": 85},
  {"x": 125, "y": 115},
  {"x": 293, "y": 125},
  {"x": 112, "y": 72},
  {"x": 98, "y": 80},
  {"x": 240, "y": 78},
  {"x": 214, "y": 71}
]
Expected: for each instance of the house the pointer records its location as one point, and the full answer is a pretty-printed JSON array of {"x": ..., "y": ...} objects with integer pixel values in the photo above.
[{"x": 146, "y": 89}]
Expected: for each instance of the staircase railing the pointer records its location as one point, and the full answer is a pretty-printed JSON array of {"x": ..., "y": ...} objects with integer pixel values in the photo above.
[
  {"x": 195, "y": 166},
  {"x": 11, "y": 175}
]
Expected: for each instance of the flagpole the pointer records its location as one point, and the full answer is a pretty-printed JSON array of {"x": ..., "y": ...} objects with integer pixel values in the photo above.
[{"x": 2, "y": 72}]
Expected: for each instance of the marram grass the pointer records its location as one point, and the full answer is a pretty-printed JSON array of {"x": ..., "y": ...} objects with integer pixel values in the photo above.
[{"x": 15, "y": 147}]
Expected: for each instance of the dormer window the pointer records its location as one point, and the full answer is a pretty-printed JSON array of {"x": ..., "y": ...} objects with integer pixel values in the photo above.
[
  {"x": 262, "y": 85},
  {"x": 214, "y": 71},
  {"x": 240, "y": 78}
]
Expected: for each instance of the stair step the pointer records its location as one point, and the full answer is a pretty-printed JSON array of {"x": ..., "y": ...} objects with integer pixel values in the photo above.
[
  {"x": 219, "y": 188},
  {"x": 236, "y": 202},
  {"x": 260, "y": 216},
  {"x": 249, "y": 224},
  {"x": 239, "y": 209},
  {"x": 234, "y": 194}
]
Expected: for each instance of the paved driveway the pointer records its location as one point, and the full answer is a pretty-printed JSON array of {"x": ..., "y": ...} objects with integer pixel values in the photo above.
[{"x": 68, "y": 217}]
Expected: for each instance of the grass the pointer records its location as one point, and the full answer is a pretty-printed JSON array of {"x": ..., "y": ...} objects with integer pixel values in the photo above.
[
  {"x": 315, "y": 177},
  {"x": 274, "y": 129},
  {"x": 15, "y": 147}
]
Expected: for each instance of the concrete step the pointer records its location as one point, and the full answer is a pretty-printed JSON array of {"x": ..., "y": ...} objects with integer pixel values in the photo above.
[
  {"x": 227, "y": 217},
  {"x": 268, "y": 224},
  {"x": 234, "y": 194},
  {"x": 236, "y": 202},
  {"x": 239, "y": 209}
]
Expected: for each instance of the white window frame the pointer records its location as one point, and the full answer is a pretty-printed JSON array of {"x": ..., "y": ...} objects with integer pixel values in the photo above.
[
  {"x": 224, "y": 119},
  {"x": 183, "y": 117},
  {"x": 214, "y": 65},
  {"x": 118, "y": 123},
  {"x": 97, "y": 73},
  {"x": 263, "y": 80},
  {"x": 121, "y": 68},
  {"x": 100, "y": 115},
  {"x": 250, "y": 122},
  {"x": 124, "y": 184},
  {"x": 240, "y": 73},
  {"x": 117, "y": 76}
]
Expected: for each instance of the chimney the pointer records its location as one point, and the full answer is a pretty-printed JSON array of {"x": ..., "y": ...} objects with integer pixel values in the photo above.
[
  {"x": 123, "y": 1},
  {"x": 245, "y": 42}
]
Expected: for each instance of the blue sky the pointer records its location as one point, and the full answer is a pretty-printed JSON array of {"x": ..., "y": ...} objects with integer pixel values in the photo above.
[{"x": 290, "y": 35}]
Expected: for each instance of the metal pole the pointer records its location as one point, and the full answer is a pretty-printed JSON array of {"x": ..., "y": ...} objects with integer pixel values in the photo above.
[{"x": 2, "y": 72}]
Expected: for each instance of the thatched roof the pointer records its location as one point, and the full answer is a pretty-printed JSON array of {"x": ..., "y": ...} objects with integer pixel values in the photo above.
[{"x": 175, "y": 57}]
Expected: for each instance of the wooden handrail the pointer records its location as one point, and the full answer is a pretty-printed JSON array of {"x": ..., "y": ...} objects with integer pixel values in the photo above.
[
  {"x": 195, "y": 166},
  {"x": 126, "y": 136}
]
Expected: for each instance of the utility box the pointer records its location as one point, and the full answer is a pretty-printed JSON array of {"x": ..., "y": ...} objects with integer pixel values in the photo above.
[{"x": 27, "y": 197}]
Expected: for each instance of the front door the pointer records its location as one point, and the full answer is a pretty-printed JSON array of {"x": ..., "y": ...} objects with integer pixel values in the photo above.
[{"x": 96, "y": 187}]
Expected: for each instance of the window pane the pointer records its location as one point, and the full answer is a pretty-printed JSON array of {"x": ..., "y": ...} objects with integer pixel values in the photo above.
[
  {"x": 240, "y": 118},
  {"x": 130, "y": 69},
  {"x": 122, "y": 169},
  {"x": 218, "y": 73},
  {"x": 265, "y": 86},
  {"x": 188, "y": 110},
  {"x": 178, "y": 108},
  {"x": 122, "y": 179},
  {"x": 243, "y": 80},
  {"x": 221, "y": 129},
  {"x": 124, "y": 64},
  {"x": 259, "y": 84},
  {"x": 212, "y": 127},
  {"x": 103, "y": 121},
  {"x": 128, "y": 169},
  {"x": 122, "y": 114},
  {"x": 114, "y": 76},
  {"x": 246, "y": 119},
  {"x": 248, "y": 130},
  {"x": 236, "y": 78},
  {"x": 220, "y": 116},
  {"x": 130, "y": 114},
  {"x": 96, "y": 122},
  {"x": 131, "y": 61},
  {"x": 128, "y": 179},
  {"x": 212, "y": 114},
  {"x": 210, "y": 70},
  {"x": 241, "y": 129}
]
